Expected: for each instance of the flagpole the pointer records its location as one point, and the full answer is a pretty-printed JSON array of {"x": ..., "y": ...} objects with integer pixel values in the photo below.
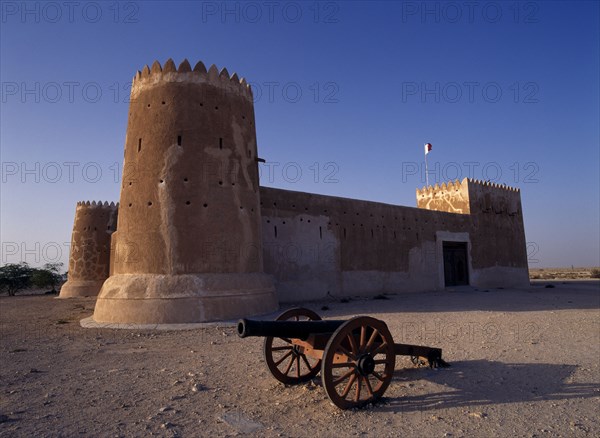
[{"x": 426, "y": 170}]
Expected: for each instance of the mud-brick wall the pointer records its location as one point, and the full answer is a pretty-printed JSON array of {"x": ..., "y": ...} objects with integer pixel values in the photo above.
[
  {"x": 499, "y": 253},
  {"x": 317, "y": 246}
]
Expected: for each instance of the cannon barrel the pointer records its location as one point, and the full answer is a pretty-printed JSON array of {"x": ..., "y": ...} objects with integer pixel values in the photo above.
[{"x": 286, "y": 329}]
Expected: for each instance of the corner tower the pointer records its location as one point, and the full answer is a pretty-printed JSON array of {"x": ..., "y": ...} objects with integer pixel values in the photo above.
[
  {"x": 189, "y": 246},
  {"x": 89, "y": 257}
]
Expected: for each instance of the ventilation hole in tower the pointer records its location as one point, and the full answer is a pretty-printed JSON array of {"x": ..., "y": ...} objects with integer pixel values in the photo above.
[
  {"x": 187, "y": 202},
  {"x": 344, "y": 233},
  {"x": 308, "y": 221},
  {"x": 417, "y": 236},
  {"x": 205, "y": 205},
  {"x": 161, "y": 181},
  {"x": 305, "y": 208},
  {"x": 216, "y": 107},
  {"x": 268, "y": 221},
  {"x": 283, "y": 222},
  {"x": 201, "y": 104},
  {"x": 371, "y": 232},
  {"x": 232, "y": 183},
  {"x": 179, "y": 140},
  {"x": 108, "y": 228},
  {"x": 358, "y": 214},
  {"x": 301, "y": 220},
  {"x": 163, "y": 102},
  {"x": 130, "y": 205},
  {"x": 274, "y": 204},
  {"x": 220, "y": 183},
  {"x": 148, "y": 105},
  {"x": 252, "y": 210},
  {"x": 275, "y": 229},
  {"x": 241, "y": 207},
  {"x": 149, "y": 203},
  {"x": 320, "y": 233},
  {"x": 324, "y": 211},
  {"x": 249, "y": 153},
  {"x": 130, "y": 183},
  {"x": 95, "y": 229},
  {"x": 293, "y": 205},
  {"x": 344, "y": 212},
  {"x": 243, "y": 117},
  {"x": 394, "y": 234},
  {"x": 139, "y": 145},
  {"x": 185, "y": 180},
  {"x": 220, "y": 143}
]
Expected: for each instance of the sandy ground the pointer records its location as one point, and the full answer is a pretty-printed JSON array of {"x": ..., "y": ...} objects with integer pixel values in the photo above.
[{"x": 525, "y": 363}]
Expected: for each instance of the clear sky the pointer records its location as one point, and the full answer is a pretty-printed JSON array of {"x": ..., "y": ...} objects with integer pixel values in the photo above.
[{"x": 346, "y": 94}]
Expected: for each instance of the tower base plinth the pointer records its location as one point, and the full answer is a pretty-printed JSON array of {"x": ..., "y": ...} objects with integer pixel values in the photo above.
[
  {"x": 180, "y": 299},
  {"x": 80, "y": 288}
]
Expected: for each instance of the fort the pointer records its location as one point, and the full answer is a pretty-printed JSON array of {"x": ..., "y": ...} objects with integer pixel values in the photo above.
[{"x": 198, "y": 239}]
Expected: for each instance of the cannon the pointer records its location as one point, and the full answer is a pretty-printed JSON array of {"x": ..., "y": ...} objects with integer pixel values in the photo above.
[{"x": 356, "y": 357}]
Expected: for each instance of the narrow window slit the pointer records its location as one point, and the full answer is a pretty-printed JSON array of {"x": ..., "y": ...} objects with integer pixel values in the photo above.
[
  {"x": 139, "y": 145},
  {"x": 320, "y": 232},
  {"x": 179, "y": 140}
]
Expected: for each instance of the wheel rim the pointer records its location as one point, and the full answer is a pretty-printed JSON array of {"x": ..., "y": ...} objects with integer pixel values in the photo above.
[
  {"x": 285, "y": 360},
  {"x": 358, "y": 362}
]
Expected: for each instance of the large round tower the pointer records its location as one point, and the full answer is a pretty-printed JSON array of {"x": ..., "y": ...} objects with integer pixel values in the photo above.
[
  {"x": 89, "y": 257},
  {"x": 188, "y": 247}
]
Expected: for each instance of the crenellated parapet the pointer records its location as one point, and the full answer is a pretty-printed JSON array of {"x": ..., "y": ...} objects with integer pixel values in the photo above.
[
  {"x": 98, "y": 204},
  {"x": 469, "y": 196},
  {"x": 89, "y": 256},
  {"x": 452, "y": 197},
  {"x": 149, "y": 77}
]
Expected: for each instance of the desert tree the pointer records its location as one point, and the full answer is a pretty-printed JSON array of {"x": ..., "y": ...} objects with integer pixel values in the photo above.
[{"x": 14, "y": 277}]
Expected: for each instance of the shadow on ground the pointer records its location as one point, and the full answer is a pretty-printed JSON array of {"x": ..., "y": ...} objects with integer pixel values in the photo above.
[
  {"x": 546, "y": 295},
  {"x": 482, "y": 382}
]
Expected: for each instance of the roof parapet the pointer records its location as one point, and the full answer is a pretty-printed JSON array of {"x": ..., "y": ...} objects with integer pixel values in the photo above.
[{"x": 184, "y": 73}]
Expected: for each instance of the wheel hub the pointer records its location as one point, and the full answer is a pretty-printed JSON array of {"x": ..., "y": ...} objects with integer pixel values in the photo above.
[{"x": 366, "y": 364}]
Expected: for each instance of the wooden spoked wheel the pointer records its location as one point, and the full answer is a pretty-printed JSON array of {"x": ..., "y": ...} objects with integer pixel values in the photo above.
[
  {"x": 358, "y": 362},
  {"x": 286, "y": 361}
]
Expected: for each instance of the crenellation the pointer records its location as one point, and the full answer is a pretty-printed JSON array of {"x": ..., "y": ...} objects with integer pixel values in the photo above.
[{"x": 169, "y": 66}]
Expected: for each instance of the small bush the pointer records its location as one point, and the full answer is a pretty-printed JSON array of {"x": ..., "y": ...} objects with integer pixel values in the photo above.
[{"x": 595, "y": 273}]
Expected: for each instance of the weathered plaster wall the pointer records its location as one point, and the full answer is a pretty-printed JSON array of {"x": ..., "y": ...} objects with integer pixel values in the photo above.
[
  {"x": 90, "y": 252},
  {"x": 317, "y": 246}
]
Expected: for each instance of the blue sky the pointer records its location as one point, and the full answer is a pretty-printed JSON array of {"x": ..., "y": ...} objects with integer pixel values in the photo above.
[{"x": 346, "y": 93}]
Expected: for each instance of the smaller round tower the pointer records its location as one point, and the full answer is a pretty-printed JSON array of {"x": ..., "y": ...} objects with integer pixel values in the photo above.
[{"x": 89, "y": 258}]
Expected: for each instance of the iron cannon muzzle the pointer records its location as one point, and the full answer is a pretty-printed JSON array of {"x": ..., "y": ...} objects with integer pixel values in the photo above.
[{"x": 286, "y": 329}]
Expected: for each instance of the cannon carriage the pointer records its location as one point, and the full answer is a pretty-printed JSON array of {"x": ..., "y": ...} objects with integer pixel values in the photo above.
[{"x": 356, "y": 357}]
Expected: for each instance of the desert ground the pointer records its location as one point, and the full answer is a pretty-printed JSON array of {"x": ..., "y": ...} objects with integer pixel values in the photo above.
[{"x": 525, "y": 363}]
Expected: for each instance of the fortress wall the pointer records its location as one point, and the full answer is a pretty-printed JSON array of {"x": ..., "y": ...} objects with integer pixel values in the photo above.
[{"x": 318, "y": 246}]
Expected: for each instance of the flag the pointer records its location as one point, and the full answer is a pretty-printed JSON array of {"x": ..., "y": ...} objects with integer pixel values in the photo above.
[{"x": 428, "y": 148}]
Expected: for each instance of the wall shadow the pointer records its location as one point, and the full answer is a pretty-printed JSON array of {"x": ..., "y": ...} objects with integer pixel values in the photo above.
[
  {"x": 562, "y": 295},
  {"x": 482, "y": 382}
]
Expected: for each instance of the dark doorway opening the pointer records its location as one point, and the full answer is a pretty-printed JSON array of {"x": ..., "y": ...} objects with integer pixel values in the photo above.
[{"x": 456, "y": 269}]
